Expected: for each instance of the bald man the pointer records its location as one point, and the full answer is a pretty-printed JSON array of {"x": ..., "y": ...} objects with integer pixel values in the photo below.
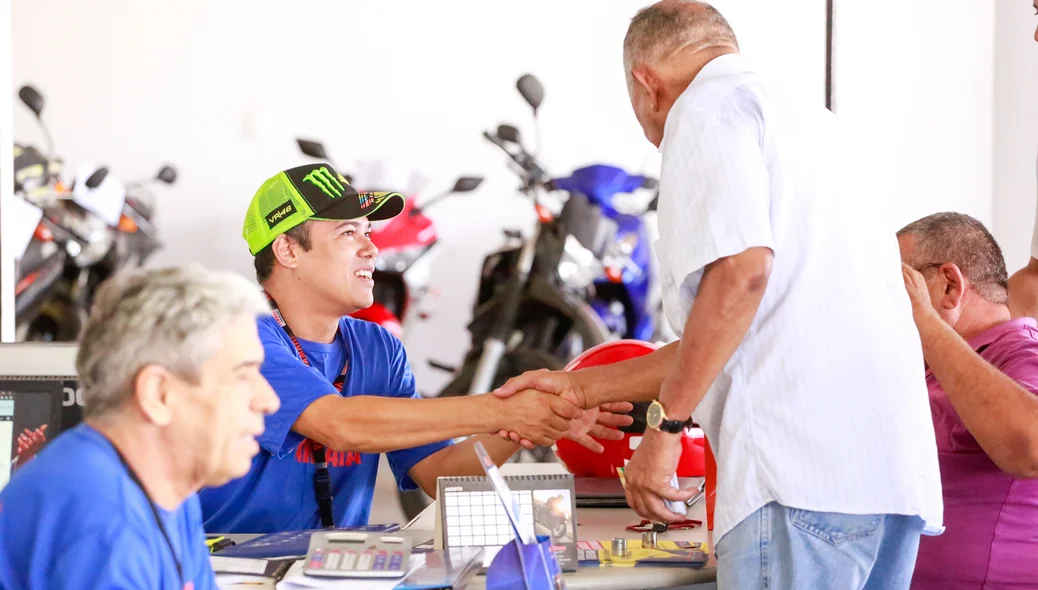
[{"x": 798, "y": 354}]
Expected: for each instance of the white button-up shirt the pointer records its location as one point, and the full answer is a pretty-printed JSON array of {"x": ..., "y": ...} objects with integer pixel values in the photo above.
[{"x": 824, "y": 405}]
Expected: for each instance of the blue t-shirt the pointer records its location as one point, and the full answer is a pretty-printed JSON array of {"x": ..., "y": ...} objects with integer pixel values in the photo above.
[
  {"x": 73, "y": 518},
  {"x": 278, "y": 492}
]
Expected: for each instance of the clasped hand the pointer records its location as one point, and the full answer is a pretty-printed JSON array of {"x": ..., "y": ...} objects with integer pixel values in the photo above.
[{"x": 561, "y": 392}]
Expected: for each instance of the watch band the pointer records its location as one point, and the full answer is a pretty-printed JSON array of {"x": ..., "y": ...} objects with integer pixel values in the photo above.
[{"x": 675, "y": 426}]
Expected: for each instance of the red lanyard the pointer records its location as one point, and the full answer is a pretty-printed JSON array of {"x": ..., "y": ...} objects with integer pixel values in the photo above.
[
  {"x": 340, "y": 380},
  {"x": 322, "y": 480}
]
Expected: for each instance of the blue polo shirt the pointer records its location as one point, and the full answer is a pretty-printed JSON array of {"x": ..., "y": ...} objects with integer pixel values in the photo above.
[
  {"x": 278, "y": 492},
  {"x": 73, "y": 518}
]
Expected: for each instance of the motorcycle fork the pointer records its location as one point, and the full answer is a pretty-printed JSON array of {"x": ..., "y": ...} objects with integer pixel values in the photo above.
[{"x": 494, "y": 346}]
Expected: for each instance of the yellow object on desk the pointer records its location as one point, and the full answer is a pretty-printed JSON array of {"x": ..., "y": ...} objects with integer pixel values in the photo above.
[{"x": 678, "y": 553}]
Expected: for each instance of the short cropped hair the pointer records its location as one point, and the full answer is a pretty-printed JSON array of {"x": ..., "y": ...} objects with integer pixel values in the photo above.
[
  {"x": 965, "y": 242},
  {"x": 264, "y": 260},
  {"x": 172, "y": 317},
  {"x": 667, "y": 26}
]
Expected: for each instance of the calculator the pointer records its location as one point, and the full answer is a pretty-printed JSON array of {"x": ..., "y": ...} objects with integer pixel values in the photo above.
[{"x": 357, "y": 555}]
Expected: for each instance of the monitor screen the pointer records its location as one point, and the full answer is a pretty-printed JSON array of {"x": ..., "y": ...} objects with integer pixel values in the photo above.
[{"x": 30, "y": 416}]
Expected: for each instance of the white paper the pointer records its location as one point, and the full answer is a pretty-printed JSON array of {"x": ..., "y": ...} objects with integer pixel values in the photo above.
[
  {"x": 238, "y": 565},
  {"x": 20, "y": 222},
  {"x": 239, "y": 582},
  {"x": 106, "y": 201}
]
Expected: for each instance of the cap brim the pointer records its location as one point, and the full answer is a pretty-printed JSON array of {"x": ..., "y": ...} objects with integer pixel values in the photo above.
[{"x": 384, "y": 206}]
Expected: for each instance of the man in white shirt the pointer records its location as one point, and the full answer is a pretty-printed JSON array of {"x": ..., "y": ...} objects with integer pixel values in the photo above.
[
  {"x": 798, "y": 355},
  {"x": 1023, "y": 284}
]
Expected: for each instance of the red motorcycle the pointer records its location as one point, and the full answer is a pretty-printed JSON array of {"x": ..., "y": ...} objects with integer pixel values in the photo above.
[{"x": 407, "y": 245}]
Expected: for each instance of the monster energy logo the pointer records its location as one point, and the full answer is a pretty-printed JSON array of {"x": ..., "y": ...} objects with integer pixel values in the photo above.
[{"x": 326, "y": 181}]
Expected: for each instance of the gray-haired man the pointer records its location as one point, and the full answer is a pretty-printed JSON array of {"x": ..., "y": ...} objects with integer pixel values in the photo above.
[{"x": 169, "y": 363}]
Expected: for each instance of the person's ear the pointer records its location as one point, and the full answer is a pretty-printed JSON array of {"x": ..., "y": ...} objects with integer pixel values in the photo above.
[
  {"x": 286, "y": 251},
  {"x": 152, "y": 388},
  {"x": 649, "y": 82},
  {"x": 953, "y": 285}
]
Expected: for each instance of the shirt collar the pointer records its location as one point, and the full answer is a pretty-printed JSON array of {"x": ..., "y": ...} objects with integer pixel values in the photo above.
[
  {"x": 729, "y": 63},
  {"x": 995, "y": 332},
  {"x": 722, "y": 65}
]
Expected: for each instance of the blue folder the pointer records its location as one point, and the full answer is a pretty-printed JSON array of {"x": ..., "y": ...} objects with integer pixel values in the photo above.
[{"x": 291, "y": 543}]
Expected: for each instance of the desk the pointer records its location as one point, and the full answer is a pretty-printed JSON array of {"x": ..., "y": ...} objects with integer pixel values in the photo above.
[{"x": 606, "y": 523}]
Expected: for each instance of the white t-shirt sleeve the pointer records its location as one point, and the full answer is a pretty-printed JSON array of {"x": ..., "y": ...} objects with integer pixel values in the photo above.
[{"x": 717, "y": 200}]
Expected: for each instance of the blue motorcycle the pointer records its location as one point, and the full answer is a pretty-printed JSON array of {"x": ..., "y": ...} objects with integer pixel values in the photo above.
[{"x": 622, "y": 293}]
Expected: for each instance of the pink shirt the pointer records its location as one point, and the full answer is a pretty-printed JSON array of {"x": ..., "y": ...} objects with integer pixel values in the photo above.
[{"x": 991, "y": 541}]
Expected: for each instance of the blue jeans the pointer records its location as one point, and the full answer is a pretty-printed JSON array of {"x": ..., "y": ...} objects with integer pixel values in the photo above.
[{"x": 778, "y": 547}]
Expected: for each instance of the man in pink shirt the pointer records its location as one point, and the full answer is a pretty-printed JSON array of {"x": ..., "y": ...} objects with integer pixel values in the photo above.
[{"x": 982, "y": 373}]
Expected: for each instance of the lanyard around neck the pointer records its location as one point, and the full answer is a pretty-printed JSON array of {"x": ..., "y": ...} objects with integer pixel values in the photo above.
[
  {"x": 280, "y": 319},
  {"x": 154, "y": 512},
  {"x": 322, "y": 479}
]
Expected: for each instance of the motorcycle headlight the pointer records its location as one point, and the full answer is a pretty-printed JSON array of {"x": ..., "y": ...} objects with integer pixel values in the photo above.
[{"x": 577, "y": 266}]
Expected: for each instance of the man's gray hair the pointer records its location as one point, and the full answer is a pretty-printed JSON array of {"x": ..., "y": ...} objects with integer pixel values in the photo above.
[
  {"x": 663, "y": 28},
  {"x": 966, "y": 243},
  {"x": 172, "y": 317}
]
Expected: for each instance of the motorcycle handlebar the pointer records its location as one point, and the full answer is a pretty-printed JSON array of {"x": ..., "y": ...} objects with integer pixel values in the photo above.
[{"x": 534, "y": 173}]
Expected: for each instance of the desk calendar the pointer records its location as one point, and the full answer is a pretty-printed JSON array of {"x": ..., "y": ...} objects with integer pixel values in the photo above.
[{"x": 471, "y": 514}]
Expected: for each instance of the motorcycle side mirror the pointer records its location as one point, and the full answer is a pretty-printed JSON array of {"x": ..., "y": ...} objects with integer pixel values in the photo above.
[
  {"x": 314, "y": 149},
  {"x": 167, "y": 174},
  {"x": 467, "y": 184},
  {"x": 32, "y": 99},
  {"x": 508, "y": 133},
  {"x": 531, "y": 90},
  {"x": 95, "y": 179}
]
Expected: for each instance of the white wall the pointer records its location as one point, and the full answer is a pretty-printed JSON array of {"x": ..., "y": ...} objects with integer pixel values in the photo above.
[
  {"x": 221, "y": 89},
  {"x": 916, "y": 81},
  {"x": 1016, "y": 129}
]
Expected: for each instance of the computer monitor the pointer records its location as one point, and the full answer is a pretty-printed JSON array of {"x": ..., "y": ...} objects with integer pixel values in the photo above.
[
  {"x": 38, "y": 385},
  {"x": 30, "y": 415}
]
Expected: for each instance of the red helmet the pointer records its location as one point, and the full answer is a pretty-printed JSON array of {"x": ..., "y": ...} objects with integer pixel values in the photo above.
[{"x": 583, "y": 463}]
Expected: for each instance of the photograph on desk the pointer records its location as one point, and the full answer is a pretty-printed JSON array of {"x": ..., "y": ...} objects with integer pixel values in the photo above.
[
  {"x": 471, "y": 514},
  {"x": 553, "y": 515}
]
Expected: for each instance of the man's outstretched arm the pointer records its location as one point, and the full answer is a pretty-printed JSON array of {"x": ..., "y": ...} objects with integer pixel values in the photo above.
[
  {"x": 374, "y": 424},
  {"x": 636, "y": 379},
  {"x": 633, "y": 380}
]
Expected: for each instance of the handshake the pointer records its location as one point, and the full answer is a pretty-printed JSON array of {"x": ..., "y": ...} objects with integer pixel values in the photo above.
[{"x": 540, "y": 407}]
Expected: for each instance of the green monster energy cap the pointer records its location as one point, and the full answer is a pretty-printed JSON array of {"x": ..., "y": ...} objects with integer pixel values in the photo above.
[{"x": 313, "y": 191}]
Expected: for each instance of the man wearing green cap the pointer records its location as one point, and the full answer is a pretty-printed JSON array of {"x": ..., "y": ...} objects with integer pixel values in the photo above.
[{"x": 347, "y": 392}]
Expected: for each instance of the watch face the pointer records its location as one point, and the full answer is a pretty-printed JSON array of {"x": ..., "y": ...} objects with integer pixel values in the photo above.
[{"x": 654, "y": 415}]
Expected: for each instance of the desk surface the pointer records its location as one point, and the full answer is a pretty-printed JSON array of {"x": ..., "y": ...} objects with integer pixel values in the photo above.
[{"x": 605, "y": 523}]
